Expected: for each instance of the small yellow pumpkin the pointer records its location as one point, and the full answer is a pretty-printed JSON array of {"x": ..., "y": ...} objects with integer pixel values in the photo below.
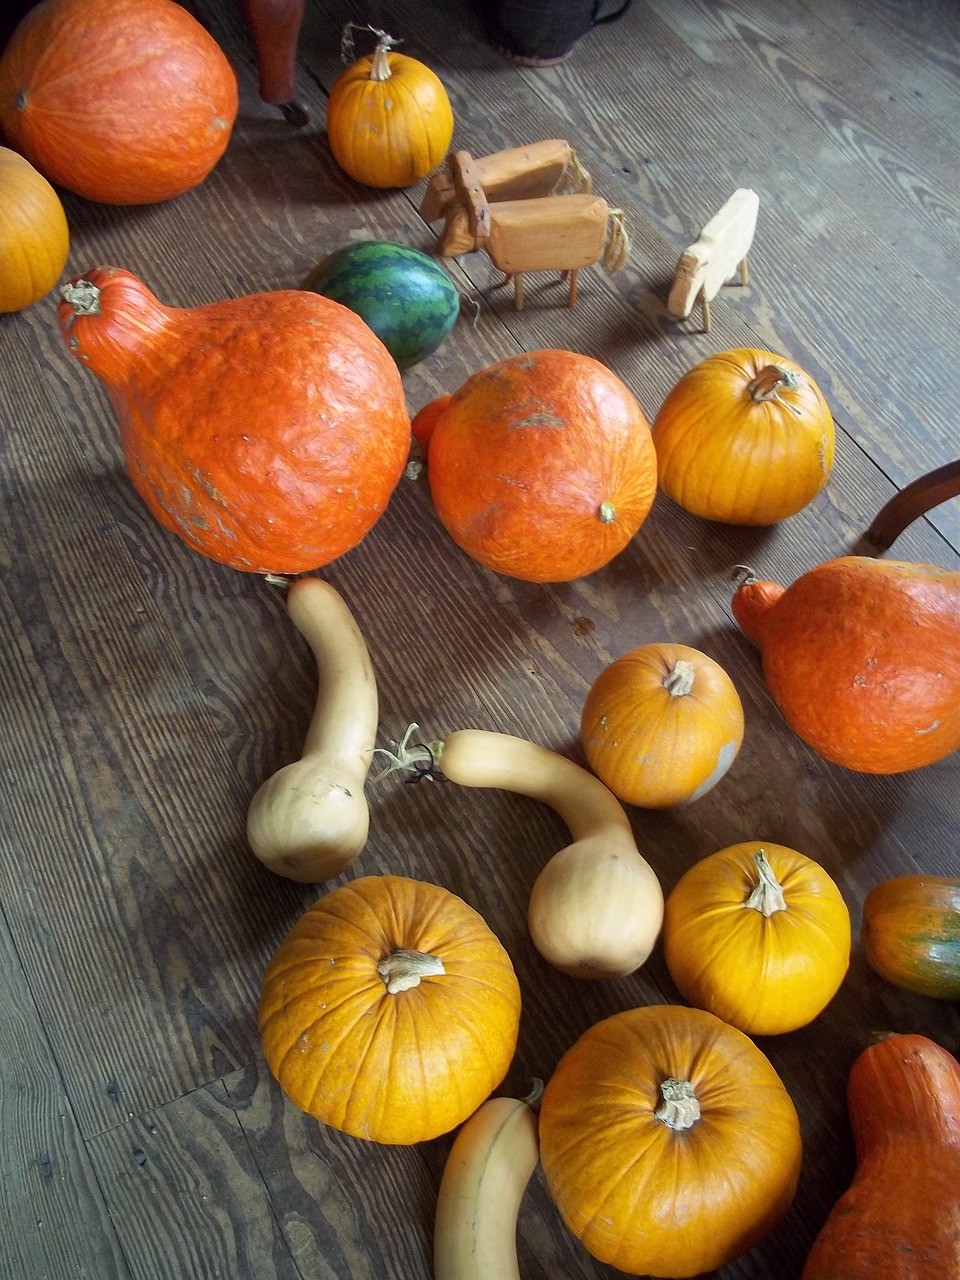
[
  {"x": 745, "y": 437},
  {"x": 34, "y": 237},
  {"x": 661, "y": 725},
  {"x": 759, "y": 935},
  {"x": 389, "y": 119},
  {"x": 390, "y": 1010}
]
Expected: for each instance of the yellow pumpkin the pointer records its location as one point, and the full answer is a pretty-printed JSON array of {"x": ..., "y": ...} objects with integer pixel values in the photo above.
[
  {"x": 745, "y": 437},
  {"x": 389, "y": 120},
  {"x": 661, "y": 725},
  {"x": 668, "y": 1141},
  {"x": 34, "y": 237},
  {"x": 759, "y": 935},
  {"x": 390, "y": 1010}
]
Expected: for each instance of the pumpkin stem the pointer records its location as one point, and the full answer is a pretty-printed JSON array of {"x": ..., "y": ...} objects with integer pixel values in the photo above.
[
  {"x": 767, "y": 897},
  {"x": 766, "y": 386},
  {"x": 606, "y": 512},
  {"x": 679, "y": 1108},
  {"x": 402, "y": 969},
  {"x": 83, "y": 296},
  {"x": 743, "y": 576},
  {"x": 680, "y": 680},
  {"x": 380, "y": 66}
]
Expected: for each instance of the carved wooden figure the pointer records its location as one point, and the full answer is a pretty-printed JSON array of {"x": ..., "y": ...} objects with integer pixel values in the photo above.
[
  {"x": 717, "y": 255},
  {"x": 537, "y": 233}
]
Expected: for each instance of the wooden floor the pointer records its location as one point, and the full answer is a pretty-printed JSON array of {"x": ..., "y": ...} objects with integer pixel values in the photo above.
[{"x": 145, "y": 693}]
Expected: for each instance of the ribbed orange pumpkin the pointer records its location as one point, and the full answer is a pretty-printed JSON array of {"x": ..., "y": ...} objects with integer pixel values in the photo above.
[
  {"x": 668, "y": 1142},
  {"x": 661, "y": 725},
  {"x": 862, "y": 657},
  {"x": 389, "y": 119},
  {"x": 541, "y": 466},
  {"x": 758, "y": 934},
  {"x": 34, "y": 237},
  {"x": 268, "y": 431},
  {"x": 745, "y": 437},
  {"x": 390, "y": 1010},
  {"x": 121, "y": 101}
]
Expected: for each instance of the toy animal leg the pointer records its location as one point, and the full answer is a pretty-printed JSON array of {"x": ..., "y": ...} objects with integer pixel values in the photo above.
[
  {"x": 705, "y": 311},
  {"x": 572, "y": 296},
  {"x": 518, "y": 291},
  {"x": 744, "y": 273}
]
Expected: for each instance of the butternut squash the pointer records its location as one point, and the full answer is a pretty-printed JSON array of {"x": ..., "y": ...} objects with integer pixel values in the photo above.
[
  {"x": 596, "y": 908},
  {"x": 310, "y": 819},
  {"x": 486, "y": 1174}
]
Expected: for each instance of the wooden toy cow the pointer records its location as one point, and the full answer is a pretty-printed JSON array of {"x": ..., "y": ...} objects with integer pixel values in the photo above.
[
  {"x": 717, "y": 255},
  {"x": 524, "y": 228}
]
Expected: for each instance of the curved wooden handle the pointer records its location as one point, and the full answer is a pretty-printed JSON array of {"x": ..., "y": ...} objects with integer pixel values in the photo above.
[
  {"x": 914, "y": 501},
  {"x": 274, "y": 27}
]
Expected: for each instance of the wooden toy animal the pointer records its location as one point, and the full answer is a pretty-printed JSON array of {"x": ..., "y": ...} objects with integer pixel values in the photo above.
[
  {"x": 521, "y": 173},
  {"x": 716, "y": 256},
  {"x": 547, "y": 233}
]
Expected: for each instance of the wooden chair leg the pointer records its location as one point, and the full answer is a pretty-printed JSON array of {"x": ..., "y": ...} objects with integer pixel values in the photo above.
[
  {"x": 274, "y": 27},
  {"x": 912, "y": 502}
]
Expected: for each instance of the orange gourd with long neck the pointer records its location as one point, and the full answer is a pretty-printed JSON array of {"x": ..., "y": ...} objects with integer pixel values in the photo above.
[
  {"x": 862, "y": 657},
  {"x": 900, "y": 1217},
  {"x": 267, "y": 431}
]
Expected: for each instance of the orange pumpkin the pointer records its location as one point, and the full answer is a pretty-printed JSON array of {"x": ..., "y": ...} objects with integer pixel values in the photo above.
[
  {"x": 862, "y": 657},
  {"x": 34, "y": 237},
  {"x": 267, "y": 431},
  {"x": 121, "y": 101},
  {"x": 758, "y": 934},
  {"x": 541, "y": 466},
  {"x": 389, "y": 120},
  {"x": 661, "y": 725},
  {"x": 745, "y": 437},
  {"x": 390, "y": 1010},
  {"x": 668, "y": 1142}
]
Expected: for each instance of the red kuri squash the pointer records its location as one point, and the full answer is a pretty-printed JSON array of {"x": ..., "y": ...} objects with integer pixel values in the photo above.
[
  {"x": 267, "y": 431},
  {"x": 862, "y": 656},
  {"x": 542, "y": 467},
  {"x": 121, "y": 101}
]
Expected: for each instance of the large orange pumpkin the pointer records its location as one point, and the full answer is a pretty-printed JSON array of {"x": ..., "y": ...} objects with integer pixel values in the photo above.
[
  {"x": 389, "y": 119},
  {"x": 390, "y": 1010},
  {"x": 542, "y": 467},
  {"x": 745, "y": 437},
  {"x": 661, "y": 725},
  {"x": 34, "y": 237},
  {"x": 758, "y": 934},
  {"x": 862, "y": 657},
  {"x": 121, "y": 101},
  {"x": 267, "y": 431},
  {"x": 668, "y": 1141}
]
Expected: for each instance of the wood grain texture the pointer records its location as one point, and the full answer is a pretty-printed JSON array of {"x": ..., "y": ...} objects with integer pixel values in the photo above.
[
  {"x": 54, "y": 1219},
  {"x": 147, "y": 692}
]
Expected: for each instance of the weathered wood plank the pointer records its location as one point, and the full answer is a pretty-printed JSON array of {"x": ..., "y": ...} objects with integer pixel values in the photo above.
[
  {"x": 53, "y": 1220},
  {"x": 186, "y": 1196}
]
